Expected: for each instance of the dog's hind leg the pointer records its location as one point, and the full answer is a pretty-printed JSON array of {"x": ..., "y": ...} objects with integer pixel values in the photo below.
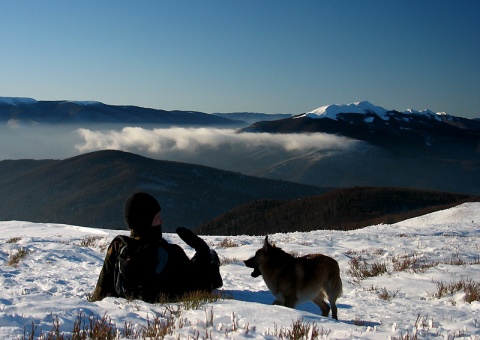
[
  {"x": 332, "y": 298},
  {"x": 320, "y": 302},
  {"x": 334, "y": 308},
  {"x": 333, "y": 294}
]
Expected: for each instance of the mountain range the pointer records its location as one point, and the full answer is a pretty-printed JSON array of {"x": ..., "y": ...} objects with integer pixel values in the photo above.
[
  {"x": 384, "y": 148},
  {"x": 28, "y": 111},
  {"x": 417, "y": 149},
  {"x": 419, "y": 131},
  {"x": 32, "y": 111}
]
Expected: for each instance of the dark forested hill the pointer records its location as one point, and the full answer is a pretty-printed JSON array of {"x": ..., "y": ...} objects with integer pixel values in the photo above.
[
  {"x": 342, "y": 209},
  {"x": 90, "y": 189}
]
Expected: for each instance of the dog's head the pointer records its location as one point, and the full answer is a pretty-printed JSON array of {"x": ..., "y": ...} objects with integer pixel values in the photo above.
[{"x": 256, "y": 261}]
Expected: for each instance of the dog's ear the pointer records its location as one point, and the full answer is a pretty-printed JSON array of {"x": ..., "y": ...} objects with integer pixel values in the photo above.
[{"x": 266, "y": 245}]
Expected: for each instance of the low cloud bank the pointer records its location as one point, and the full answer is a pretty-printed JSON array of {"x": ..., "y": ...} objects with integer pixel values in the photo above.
[
  {"x": 38, "y": 142},
  {"x": 191, "y": 140}
]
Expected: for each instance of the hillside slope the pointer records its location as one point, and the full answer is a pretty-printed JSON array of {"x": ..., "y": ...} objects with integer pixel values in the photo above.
[
  {"x": 90, "y": 189},
  {"x": 342, "y": 209}
]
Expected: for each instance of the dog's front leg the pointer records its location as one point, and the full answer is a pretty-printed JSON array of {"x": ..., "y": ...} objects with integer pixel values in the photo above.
[{"x": 289, "y": 301}]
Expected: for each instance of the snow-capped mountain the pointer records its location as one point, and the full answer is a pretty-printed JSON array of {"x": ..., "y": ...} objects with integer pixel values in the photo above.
[
  {"x": 421, "y": 130},
  {"x": 365, "y": 108},
  {"x": 410, "y": 148},
  {"x": 332, "y": 111}
]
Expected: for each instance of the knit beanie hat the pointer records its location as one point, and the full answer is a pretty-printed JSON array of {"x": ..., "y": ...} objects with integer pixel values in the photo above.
[{"x": 139, "y": 211}]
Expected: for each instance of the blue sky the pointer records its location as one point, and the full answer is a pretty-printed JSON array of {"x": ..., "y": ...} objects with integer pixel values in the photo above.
[{"x": 250, "y": 55}]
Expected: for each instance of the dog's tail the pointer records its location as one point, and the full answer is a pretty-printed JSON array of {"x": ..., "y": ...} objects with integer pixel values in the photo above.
[
  {"x": 340, "y": 287},
  {"x": 336, "y": 282}
]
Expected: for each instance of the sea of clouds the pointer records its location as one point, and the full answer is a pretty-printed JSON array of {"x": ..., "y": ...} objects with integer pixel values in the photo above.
[{"x": 196, "y": 145}]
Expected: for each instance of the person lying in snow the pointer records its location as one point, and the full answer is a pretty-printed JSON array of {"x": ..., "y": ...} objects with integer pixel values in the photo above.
[{"x": 145, "y": 266}]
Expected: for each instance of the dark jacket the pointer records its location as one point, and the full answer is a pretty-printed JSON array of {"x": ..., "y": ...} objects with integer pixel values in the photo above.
[{"x": 179, "y": 275}]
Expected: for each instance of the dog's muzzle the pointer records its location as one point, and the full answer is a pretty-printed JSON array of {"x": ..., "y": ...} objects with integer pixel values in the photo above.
[{"x": 250, "y": 263}]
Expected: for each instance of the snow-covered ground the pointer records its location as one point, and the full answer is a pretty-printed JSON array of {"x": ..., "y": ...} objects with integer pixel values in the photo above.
[{"x": 51, "y": 283}]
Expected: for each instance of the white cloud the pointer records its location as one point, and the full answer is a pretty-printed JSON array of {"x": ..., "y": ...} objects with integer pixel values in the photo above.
[{"x": 190, "y": 140}]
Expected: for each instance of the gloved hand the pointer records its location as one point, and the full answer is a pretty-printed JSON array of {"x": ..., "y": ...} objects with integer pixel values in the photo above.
[{"x": 193, "y": 240}]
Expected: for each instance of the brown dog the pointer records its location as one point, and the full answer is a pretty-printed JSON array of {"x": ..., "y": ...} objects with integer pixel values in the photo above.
[{"x": 295, "y": 280}]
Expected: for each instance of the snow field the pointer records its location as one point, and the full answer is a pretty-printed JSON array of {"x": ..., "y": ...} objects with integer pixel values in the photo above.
[{"x": 61, "y": 266}]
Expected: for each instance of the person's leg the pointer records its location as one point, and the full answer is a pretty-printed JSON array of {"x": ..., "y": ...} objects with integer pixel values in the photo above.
[
  {"x": 206, "y": 260},
  {"x": 208, "y": 268}
]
